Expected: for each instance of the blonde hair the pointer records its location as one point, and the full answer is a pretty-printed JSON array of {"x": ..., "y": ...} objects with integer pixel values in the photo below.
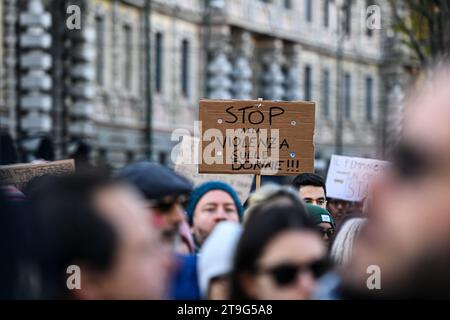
[
  {"x": 342, "y": 248},
  {"x": 264, "y": 193}
]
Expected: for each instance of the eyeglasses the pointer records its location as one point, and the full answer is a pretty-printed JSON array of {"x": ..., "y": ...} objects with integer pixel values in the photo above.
[
  {"x": 336, "y": 202},
  {"x": 409, "y": 162},
  {"x": 326, "y": 232},
  {"x": 285, "y": 274},
  {"x": 166, "y": 204}
]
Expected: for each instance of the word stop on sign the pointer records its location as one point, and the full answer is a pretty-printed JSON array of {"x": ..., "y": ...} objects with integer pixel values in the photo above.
[{"x": 257, "y": 137}]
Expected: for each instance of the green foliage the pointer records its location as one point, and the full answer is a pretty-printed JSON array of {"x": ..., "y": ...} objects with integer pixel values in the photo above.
[{"x": 424, "y": 26}]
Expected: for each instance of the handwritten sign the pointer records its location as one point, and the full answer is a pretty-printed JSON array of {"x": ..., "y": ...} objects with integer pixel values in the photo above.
[
  {"x": 19, "y": 175},
  {"x": 349, "y": 178},
  {"x": 257, "y": 137},
  {"x": 241, "y": 183}
]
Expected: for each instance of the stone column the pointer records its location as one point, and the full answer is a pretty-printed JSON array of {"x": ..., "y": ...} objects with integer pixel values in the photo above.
[
  {"x": 35, "y": 81},
  {"x": 242, "y": 87},
  {"x": 8, "y": 114},
  {"x": 219, "y": 68},
  {"x": 292, "y": 81},
  {"x": 272, "y": 75},
  {"x": 81, "y": 77}
]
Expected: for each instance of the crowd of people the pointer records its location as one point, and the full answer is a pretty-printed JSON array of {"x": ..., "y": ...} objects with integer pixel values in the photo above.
[{"x": 145, "y": 232}]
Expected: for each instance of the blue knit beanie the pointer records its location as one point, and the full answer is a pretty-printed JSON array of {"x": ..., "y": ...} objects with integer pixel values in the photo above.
[{"x": 203, "y": 189}]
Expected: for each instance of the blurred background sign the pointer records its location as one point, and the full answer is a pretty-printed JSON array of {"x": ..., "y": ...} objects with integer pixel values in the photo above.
[
  {"x": 349, "y": 178},
  {"x": 20, "y": 174}
]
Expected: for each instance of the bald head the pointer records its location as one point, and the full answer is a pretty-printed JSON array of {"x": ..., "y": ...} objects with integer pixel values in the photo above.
[
  {"x": 427, "y": 116},
  {"x": 411, "y": 223}
]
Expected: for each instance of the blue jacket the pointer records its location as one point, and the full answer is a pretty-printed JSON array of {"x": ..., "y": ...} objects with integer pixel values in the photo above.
[{"x": 185, "y": 282}]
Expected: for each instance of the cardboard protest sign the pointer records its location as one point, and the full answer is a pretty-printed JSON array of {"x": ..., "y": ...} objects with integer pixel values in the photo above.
[
  {"x": 19, "y": 174},
  {"x": 257, "y": 137},
  {"x": 241, "y": 183},
  {"x": 349, "y": 178}
]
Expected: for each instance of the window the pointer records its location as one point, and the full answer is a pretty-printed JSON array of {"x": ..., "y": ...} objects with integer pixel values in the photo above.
[
  {"x": 347, "y": 17},
  {"x": 308, "y": 81},
  {"x": 185, "y": 68},
  {"x": 287, "y": 4},
  {"x": 128, "y": 57},
  {"x": 129, "y": 157},
  {"x": 326, "y": 93},
  {"x": 369, "y": 99},
  {"x": 162, "y": 158},
  {"x": 159, "y": 62},
  {"x": 102, "y": 158},
  {"x": 348, "y": 96},
  {"x": 308, "y": 10},
  {"x": 100, "y": 49},
  {"x": 326, "y": 13},
  {"x": 369, "y": 31}
]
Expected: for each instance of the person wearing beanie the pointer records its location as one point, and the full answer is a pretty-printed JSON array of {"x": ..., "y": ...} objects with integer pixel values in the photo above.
[
  {"x": 215, "y": 261},
  {"x": 324, "y": 221},
  {"x": 209, "y": 204},
  {"x": 165, "y": 193}
]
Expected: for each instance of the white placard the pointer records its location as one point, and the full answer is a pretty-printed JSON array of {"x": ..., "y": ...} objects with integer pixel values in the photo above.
[{"x": 348, "y": 178}]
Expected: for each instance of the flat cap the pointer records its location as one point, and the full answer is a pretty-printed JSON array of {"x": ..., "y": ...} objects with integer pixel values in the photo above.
[{"x": 155, "y": 181}]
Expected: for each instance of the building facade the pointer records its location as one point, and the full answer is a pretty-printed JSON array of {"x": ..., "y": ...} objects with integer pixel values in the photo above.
[{"x": 89, "y": 84}]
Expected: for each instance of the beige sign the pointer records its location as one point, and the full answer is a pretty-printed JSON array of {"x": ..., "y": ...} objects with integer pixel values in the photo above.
[
  {"x": 257, "y": 137},
  {"x": 19, "y": 175}
]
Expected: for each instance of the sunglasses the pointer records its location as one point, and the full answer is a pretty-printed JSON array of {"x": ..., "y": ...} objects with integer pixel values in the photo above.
[
  {"x": 286, "y": 274},
  {"x": 410, "y": 163},
  {"x": 166, "y": 204},
  {"x": 326, "y": 232}
]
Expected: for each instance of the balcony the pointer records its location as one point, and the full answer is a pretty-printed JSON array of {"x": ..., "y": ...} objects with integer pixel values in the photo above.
[{"x": 262, "y": 17}]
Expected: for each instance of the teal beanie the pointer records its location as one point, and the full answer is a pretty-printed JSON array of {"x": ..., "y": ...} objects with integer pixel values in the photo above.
[{"x": 203, "y": 189}]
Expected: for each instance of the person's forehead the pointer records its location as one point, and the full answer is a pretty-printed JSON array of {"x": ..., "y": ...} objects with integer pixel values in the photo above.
[
  {"x": 325, "y": 225},
  {"x": 123, "y": 208},
  {"x": 312, "y": 191},
  {"x": 216, "y": 196},
  {"x": 427, "y": 118},
  {"x": 285, "y": 246}
]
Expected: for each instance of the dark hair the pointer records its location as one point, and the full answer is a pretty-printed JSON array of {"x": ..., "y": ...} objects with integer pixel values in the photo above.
[
  {"x": 8, "y": 152},
  {"x": 69, "y": 229},
  {"x": 45, "y": 150},
  {"x": 309, "y": 179},
  {"x": 266, "y": 221},
  {"x": 10, "y": 247}
]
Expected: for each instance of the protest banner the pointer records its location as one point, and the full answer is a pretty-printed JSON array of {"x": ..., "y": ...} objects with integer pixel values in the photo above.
[
  {"x": 349, "y": 178},
  {"x": 241, "y": 183},
  {"x": 18, "y": 175},
  {"x": 257, "y": 137}
]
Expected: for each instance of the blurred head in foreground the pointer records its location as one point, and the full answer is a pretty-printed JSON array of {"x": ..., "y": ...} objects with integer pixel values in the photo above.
[
  {"x": 165, "y": 193},
  {"x": 216, "y": 260},
  {"x": 269, "y": 193},
  {"x": 280, "y": 254},
  {"x": 408, "y": 234},
  {"x": 342, "y": 248},
  {"x": 93, "y": 241}
]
